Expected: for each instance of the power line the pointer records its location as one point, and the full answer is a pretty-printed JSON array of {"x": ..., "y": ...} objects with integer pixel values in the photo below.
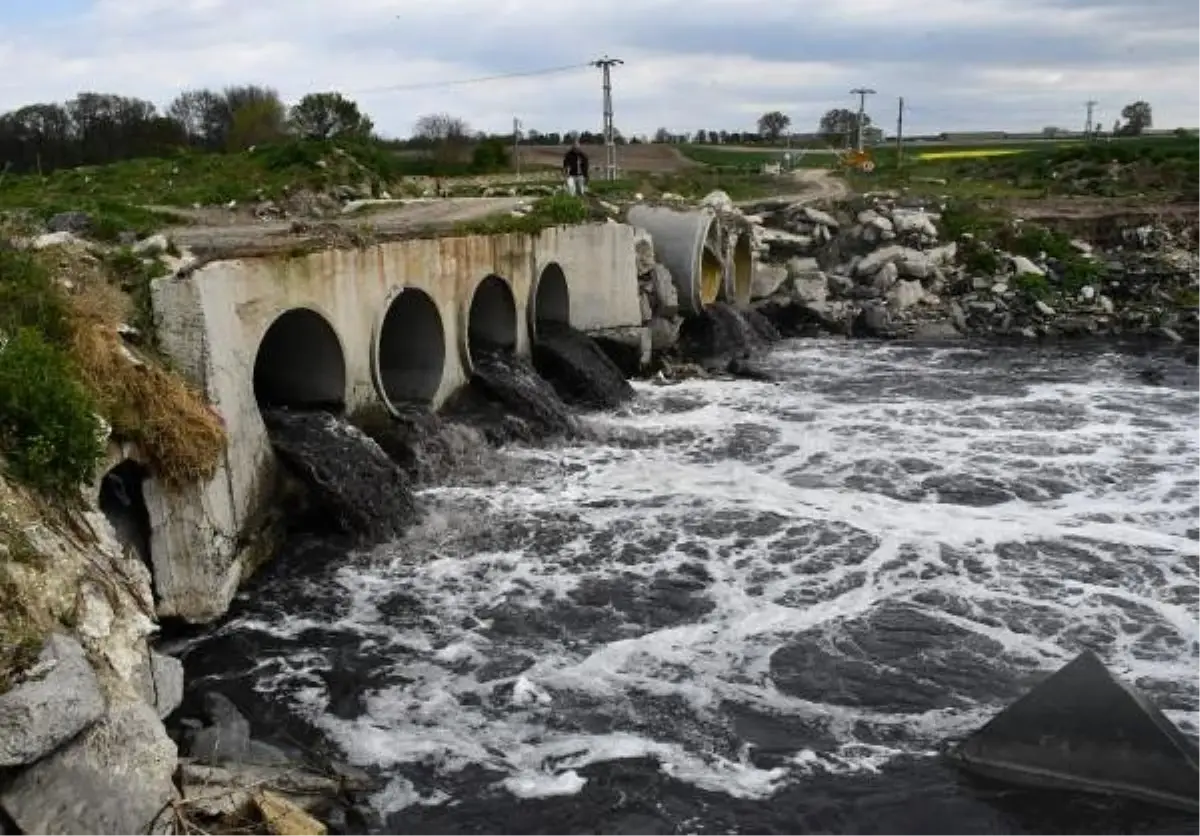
[
  {"x": 431, "y": 85},
  {"x": 610, "y": 147}
]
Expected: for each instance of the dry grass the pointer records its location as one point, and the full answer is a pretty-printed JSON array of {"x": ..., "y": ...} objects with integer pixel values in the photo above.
[{"x": 179, "y": 435}]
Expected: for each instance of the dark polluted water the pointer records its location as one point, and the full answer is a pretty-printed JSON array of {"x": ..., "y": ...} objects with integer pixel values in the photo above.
[{"x": 740, "y": 607}]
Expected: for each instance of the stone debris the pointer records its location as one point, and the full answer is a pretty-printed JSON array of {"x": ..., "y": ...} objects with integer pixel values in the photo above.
[
  {"x": 57, "y": 699},
  {"x": 888, "y": 272}
]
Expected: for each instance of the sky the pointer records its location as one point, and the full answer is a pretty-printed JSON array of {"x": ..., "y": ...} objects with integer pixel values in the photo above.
[{"x": 689, "y": 64}]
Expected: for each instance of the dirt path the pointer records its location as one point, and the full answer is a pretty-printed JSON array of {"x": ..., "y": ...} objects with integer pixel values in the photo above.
[
  {"x": 818, "y": 185},
  {"x": 216, "y": 237}
]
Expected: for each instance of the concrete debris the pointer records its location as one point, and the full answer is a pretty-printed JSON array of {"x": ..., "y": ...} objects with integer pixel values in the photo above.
[
  {"x": 883, "y": 271},
  {"x": 57, "y": 699}
]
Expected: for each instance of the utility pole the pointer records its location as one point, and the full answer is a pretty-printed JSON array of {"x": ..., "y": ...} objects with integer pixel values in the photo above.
[
  {"x": 1089, "y": 126},
  {"x": 900, "y": 133},
  {"x": 862, "y": 93},
  {"x": 517, "y": 144},
  {"x": 610, "y": 149}
]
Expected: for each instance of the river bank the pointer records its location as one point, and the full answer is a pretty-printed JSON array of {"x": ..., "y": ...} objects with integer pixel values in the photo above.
[{"x": 98, "y": 591}]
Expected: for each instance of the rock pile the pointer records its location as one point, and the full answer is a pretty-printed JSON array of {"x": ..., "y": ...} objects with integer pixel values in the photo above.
[
  {"x": 886, "y": 271},
  {"x": 658, "y": 295}
]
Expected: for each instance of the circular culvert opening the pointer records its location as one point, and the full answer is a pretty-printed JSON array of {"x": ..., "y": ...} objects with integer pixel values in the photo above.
[
  {"x": 300, "y": 364},
  {"x": 491, "y": 319},
  {"x": 711, "y": 276},
  {"x": 743, "y": 270},
  {"x": 551, "y": 303},
  {"x": 410, "y": 351}
]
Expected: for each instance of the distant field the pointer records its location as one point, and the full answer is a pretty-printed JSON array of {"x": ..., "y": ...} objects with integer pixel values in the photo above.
[{"x": 642, "y": 158}]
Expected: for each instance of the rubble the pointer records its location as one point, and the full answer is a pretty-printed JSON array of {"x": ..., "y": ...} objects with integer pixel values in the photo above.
[{"x": 888, "y": 271}]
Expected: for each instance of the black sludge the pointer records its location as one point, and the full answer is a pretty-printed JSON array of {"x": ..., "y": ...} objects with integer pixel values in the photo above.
[
  {"x": 349, "y": 477},
  {"x": 428, "y": 447},
  {"x": 722, "y": 333},
  {"x": 516, "y": 392},
  {"x": 578, "y": 369}
]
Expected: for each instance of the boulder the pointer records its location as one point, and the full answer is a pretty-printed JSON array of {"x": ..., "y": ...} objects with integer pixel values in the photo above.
[
  {"x": 55, "y": 239},
  {"x": 870, "y": 264},
  {"x": 664, "y": 333},
  {"x": 227, "y": 739},
  {"x": 666, "y": 295},
  {"x": 78, "y": 223},
  {"x": 782, "y": 243},
  {"x": 1022, "y": 266},
  {"x": 905, "y": 295},
  {"x": 153, "y": 245},
  {"x": 816, "y": 216},
  {"x": 810, "y": 289},
  {"x": 718, "y": 200},
  {"x": 885, "y": 277},
  {"x": 166, "y": 673},
  {"x": 908, "y": 221},
  {"x": 47, "y": 710},
  {"x": 643, "y": 248},
  {"x": 767, "y": 279},
  {"x": 914, "y": 264},
  {"x": 115, "y": 778}
]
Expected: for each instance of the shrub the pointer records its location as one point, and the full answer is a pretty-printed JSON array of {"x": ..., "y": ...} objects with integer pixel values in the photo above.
[
  {"x": 1032, "y": 285},
  {"x": 29, "y": 299},
  {"x": 49, "y": 436}
]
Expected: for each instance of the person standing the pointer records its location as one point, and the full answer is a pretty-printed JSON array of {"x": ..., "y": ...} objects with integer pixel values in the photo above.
[{"x": 575, "y": 169}]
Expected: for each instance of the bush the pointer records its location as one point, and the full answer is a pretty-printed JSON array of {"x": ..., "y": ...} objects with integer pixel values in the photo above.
[
  {"x": 28, "y": 298},
  {"x": 49, "y": 436}
]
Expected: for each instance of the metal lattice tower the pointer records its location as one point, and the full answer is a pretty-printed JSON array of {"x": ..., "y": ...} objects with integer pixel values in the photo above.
[
  {"x": 610, "y": 147},
  {"x": 1089, "y": 126}
]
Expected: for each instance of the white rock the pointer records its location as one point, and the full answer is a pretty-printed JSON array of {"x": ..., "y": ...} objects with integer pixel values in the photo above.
[
  {"x": 1087, "y": 293},
  {"x": 665, "y": 292},
  {"x": 1106, "y": 304},
  {"x": 905, "y": 295},
  {"x": 55, "y": 239},
  {"x": 1022, "y": 266},
  {"x": 1043, "y": 308},
  {"x": 871, "y": 263},
  {"x": 166, "y": 672},
  {"x": 643, "y": 247},
  {"x": 718, "y": 200},
  {"x": 999, "y": 288},
  {"x": 816, "y": 216},
  {"x": 811, "y": 289},
  {"x": 914, "y": 264},
  {"x": 915, "y": 221},
  {"x": 767, "y": 279},
  {"x": 943, "y": 255},
  {"x": 800, "y": 267},
  {"x": 39, "y": 715},
  {"x": 886, "y": 276}
]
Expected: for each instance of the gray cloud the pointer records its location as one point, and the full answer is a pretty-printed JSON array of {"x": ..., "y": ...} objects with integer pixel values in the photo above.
[{"x": 1016, "y": 64}]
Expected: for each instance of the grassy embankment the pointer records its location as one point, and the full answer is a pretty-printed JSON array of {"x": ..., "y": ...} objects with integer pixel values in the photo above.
[{"x": 63, "y": 362}]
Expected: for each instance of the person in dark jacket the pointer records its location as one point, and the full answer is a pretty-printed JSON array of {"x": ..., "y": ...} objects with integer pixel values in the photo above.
[{"x": 575, "y": 169}]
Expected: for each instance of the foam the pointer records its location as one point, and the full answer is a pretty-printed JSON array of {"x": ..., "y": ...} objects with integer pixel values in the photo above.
[{"x": 807, "y": 505}]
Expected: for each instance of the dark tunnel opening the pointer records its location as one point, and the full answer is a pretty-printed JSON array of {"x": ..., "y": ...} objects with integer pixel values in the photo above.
[
  {"x": 411, "y": 351},
  {"x": 300, "y": 364},
  {"x": 492, "y": 318}
]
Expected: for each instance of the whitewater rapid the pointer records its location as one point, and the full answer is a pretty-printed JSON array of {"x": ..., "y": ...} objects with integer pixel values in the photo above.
[{"x": 753, "y": 584}]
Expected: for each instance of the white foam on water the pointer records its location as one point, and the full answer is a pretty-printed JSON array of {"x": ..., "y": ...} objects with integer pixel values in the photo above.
[{"x": 1068, "y": 515}]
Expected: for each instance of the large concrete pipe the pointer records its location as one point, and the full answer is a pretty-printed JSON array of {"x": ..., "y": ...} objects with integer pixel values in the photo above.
[
  {"x": 300, "y": 363},
  {"x": 739, "y": 265},
  {"x": 491, "y": 320},
  {"x": 688, "y": 244},
  {"x": 409, "y": 351}
]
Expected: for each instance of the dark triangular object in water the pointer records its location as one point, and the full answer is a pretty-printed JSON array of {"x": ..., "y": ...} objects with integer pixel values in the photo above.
[{"x": 1084, "y": 729}]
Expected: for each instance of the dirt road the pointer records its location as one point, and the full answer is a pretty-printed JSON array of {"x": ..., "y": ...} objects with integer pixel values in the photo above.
[
  {"x": 816, "y": 185},
  {"x": 389, "y": 221}
]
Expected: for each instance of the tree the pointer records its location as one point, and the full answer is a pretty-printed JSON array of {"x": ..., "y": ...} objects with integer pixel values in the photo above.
[
  {"x": 255, "y": 115},
  {"x": 447, "y": 136},
  {"x": 841, "y": 125},
  {"x": 329, "y": 116},
  {"x": 662, "y": 135},
  {"x": 773, "y": 124},
  {"x": 202, "y": 114},
  {"x": 1138, "y": 118}
]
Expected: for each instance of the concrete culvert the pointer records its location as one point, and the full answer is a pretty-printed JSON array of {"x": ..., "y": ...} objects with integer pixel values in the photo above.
[
  {"x": 124, "y": 506},
  {"x": 300, "y": 364},
  {"x": 741, "y": 270},
  {"x": 551, "y": 303},
  {"x": 410, "y": 350},
  {"x": 491, "y": 319}
]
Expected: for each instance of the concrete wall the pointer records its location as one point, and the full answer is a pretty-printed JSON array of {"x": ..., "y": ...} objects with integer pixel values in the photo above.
[{"x": 212, "y": 322}]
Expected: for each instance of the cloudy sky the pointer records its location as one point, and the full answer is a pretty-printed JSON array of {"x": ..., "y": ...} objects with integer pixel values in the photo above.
[{"x": 959, "y": 64}]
